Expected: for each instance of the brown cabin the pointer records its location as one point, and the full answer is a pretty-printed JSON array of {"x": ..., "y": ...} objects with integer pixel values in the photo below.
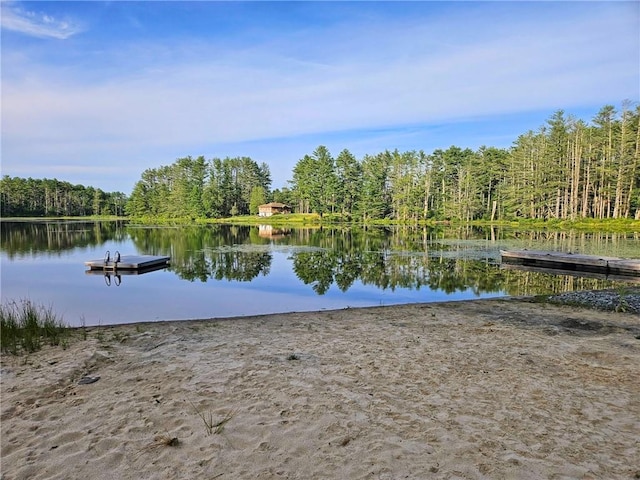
[{"x": 273, "y": 208}]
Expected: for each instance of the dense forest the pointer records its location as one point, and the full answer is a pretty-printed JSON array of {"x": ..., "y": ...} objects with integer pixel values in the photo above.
[
  {"x": 197, "y": 188},
  {"x": 567, "y": 169},
  {"x": 20, "y": 197}
]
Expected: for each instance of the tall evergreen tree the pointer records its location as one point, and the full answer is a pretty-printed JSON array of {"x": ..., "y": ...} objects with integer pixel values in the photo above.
[
  {"x": 374, "y": 198},
  {"x": 348, "y": 182}
]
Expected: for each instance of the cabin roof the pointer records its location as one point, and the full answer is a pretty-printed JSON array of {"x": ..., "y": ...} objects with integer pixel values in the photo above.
[{"x": 274, "y": 204}]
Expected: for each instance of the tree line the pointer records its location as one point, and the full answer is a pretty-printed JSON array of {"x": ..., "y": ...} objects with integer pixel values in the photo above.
[
  {"x": 197, "y": 188},
  {"x": 567, "y": 169},
  {"x": 28, "y": 197}
]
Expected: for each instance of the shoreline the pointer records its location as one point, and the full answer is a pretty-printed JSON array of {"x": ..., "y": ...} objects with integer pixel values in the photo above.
[{"x": 490, "y": 388}]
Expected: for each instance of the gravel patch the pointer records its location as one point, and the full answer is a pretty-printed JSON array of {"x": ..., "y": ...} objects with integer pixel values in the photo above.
[{"x": 625, "y": 300}]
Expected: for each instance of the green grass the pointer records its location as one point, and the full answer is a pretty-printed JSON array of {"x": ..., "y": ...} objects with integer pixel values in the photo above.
[
  {"x": 584, "y": 224},
  {"x": 292, "y": 219},
  {"x": 622, "y": 225},
  {"x": 25, "y": 327}
]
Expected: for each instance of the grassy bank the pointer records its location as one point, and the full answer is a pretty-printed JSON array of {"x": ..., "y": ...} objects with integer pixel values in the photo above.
[
  {"x": 298, "y": 219},
  {"x": 25, "y": 327},
  {"x": 621, "y": 225}
]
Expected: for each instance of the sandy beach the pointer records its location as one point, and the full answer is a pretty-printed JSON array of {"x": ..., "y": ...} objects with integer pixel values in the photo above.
[{"x": 487, "y": 389}]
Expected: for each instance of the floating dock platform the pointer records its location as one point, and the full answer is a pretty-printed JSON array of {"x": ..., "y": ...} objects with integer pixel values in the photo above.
[
  {"x": 572, "y": 262},
  {"x": 121, "y": 271},
  {"x": 138, "y": 263}
]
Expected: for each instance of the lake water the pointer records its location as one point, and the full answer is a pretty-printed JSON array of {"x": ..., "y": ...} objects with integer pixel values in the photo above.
[{"x": 223, "y": 271}]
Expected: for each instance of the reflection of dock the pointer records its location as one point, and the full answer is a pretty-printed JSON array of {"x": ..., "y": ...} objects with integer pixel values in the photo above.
[
  {"x": 137, "y": 263},
  {"x": 573, "y": 262},
  {"x": 120, "y": 271},
  {"x": 117, "y": 274}
]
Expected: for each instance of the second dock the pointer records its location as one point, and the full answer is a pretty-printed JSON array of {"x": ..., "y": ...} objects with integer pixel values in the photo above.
[{"x": 573, "y": 261}]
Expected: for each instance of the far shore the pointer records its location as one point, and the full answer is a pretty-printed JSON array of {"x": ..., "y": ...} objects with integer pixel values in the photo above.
[{"x": 312, "y": 220}]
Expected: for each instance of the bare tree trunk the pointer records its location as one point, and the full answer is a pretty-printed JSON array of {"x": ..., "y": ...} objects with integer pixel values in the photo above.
[
  {"x": 586, "y": 186},
  {"x": 427, "y": 194},
  {"x": 634, "y": 169},
  {"x": 618, "y": 202}
]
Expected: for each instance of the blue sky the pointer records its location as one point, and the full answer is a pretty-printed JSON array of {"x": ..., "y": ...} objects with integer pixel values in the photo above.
[{"x": 96, "y": 92}]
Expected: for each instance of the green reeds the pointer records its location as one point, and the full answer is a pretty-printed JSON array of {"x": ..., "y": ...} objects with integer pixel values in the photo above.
[{"x": 25, "y": 327}]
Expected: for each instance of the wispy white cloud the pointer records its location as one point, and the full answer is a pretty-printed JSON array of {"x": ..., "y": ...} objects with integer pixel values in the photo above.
[
  {"x": 36, "y": 24},
  {"x": 265, "y": 92},
  {"x": 190, "y": 96}
]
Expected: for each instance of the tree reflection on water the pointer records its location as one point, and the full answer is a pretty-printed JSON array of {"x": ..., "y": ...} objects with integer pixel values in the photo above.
[{"x": 437, "y": 258}]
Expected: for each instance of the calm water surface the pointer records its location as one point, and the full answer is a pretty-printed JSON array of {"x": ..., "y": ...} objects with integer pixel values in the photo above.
[{"x": 222, "y": 271}]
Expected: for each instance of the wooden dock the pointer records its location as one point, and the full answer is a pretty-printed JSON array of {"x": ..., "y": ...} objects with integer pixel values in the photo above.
[
  {"x": 572, "y": 262},
  {"x": 128, "y": 262},
  {"x": 573, "y": 273}
]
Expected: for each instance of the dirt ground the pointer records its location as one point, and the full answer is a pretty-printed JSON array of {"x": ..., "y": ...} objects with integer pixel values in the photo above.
[{"x": 487, "y": 389}]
